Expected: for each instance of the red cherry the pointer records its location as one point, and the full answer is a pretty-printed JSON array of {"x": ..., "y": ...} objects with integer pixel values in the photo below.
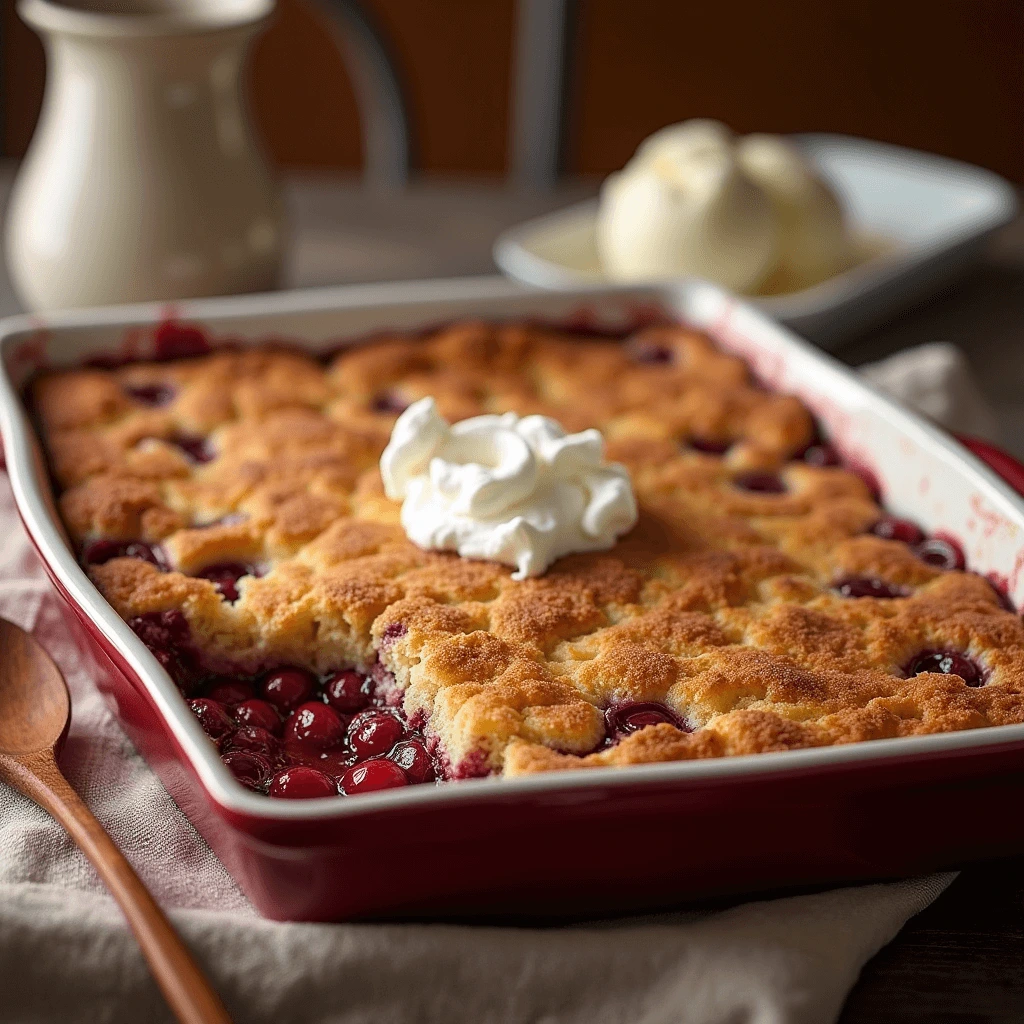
[
  {"x": 287, "y": 688},
  {"x": 891, "y": 528},
  {"x": 867, "y": 586},
  {"x": 99, "y": 552},
  {"x": 334, "y": 762},
  {"x": 228, "y": 690},
  {"x": 942, "y": 552},
  {"x": 371, "y": 776},
  {"x": 316, "y": 725},
  {"x": 213, "y": 717},
  {"x": 760, "y": 483},
  {"x": 225, "y": 576},
  {"x": 411, "y": 755},
  {"x": 390, "y": 402},
  {"x": 255, "y": 740},
  {"x": 299, "y": 753},
  {"x": 195, "y": 446},
  {"x": 251, "y": 770},
  {"x": 151, "y": 394},
  {"x": 259, "y": 713},
  {"x": 708, "y": 445},
  {"x": 302, "y": 783},
  {"x": 627, "y": 718},
  {"x": 373, "y": 733},
  {"x": 347, "y": 691},
  {"x": 948, "y": 663}
]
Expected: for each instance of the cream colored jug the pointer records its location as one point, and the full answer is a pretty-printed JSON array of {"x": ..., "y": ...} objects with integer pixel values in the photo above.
[{"x": 143, "y": 180}]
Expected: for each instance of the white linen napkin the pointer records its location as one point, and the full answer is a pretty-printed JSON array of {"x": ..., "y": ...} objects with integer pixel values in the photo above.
[{"x": 68, "y": 956}]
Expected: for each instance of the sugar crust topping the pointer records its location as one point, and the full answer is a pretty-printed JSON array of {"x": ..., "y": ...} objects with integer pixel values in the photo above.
[{"x": 720, "y": 604}]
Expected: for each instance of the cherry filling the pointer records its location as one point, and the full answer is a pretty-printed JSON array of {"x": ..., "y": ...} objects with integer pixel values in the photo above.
[
  {"x": 161, "y": 630},
  {"x": 392, "y": 632},
  {"x": 373, "y": 775},
  {"x": 390, "y": 402},
  {"x": 166, "y": 634},
  {"x": 708, "y": 445},
  {"x": 302, "y": 783},
  {"x": 948, "y": 663},
  {"x": 260, "y": 714},
  {"x": 643, "y": 350},
  {"x": 195, "y": 446},
  {"x": 153, "y": 395},
  {"x": 316, "y": 725},
  {"x": 255, "y": 740},
  {"x": 287, "y": 688},
  {"x": 213, "y": 717},
  {"x": 820, "y": 453},
  {"x": 229, "y": 691},
  {"x": 866, "y": 586},
  {"x": 760, "y": 483},
  {"x": 347, "y": 691},
  {"x": 251, "y": 770},
  {"x": 941, "y": 552},
  {"x": 288, "y": 719},
  {"x": 411, "y": 755},
  {"x": 890, "y": 528},
  {"x": 225, "y": 576},
  {"x": 99, "y": 552},
  {"x": 374, "y": 732},
  {"x": 623, "y": 719}
]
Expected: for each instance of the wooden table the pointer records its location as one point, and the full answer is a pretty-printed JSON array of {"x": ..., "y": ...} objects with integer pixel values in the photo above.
[{"x": 962, "y": 960}]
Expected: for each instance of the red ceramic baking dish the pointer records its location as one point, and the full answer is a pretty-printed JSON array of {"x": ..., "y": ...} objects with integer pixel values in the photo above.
[{"x": 563, "y": 843}]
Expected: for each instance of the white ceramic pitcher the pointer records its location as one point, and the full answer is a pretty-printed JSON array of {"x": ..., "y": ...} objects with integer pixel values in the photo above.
[{"x": 143, "y": 180}]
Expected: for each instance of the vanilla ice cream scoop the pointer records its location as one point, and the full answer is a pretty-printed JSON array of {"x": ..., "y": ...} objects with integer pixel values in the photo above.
[
  {"x": 684, "y": 206},
  {"x": 748, "y": 213},
  {"x": 811, "y": 234}
]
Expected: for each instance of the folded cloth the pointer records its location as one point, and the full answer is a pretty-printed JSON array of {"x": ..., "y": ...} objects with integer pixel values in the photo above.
[
  {"x": 936, "y": 380},
  {"x": 63, "y": 940}
]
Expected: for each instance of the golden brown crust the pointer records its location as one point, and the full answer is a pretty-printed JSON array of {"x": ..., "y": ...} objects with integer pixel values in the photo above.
[{"x": 719, "y": 603}]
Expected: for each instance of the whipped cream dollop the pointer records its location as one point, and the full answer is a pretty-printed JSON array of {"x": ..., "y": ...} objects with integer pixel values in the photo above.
[
  {"x": 748, "y": 212},
  {"x": 509, "y": 489}
]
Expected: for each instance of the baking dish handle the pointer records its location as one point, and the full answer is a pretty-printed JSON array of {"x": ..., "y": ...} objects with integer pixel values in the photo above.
[{"x": 1002, "y": 463}]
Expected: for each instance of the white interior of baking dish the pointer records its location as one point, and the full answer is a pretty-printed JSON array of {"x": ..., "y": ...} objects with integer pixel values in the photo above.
[{"x": 923, "y": 473}]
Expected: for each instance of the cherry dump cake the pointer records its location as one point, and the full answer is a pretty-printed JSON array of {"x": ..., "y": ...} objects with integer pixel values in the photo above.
[{"x": 231, "y": 508}]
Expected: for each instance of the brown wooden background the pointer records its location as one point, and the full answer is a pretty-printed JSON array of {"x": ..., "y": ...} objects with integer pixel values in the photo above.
[{"x": 947, "y": 76}]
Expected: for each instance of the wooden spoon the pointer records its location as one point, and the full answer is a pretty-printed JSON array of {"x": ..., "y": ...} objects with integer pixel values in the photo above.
[{"x": 35, "y": 712}]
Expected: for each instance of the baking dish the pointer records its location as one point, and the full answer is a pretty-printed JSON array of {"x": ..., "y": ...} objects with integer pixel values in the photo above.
[{"x": 573, "y": 842}]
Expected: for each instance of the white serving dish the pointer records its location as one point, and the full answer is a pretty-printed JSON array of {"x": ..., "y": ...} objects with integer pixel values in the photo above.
[
  {"x": 926, "y": 216},
  {"x": 287, "y": 855}
]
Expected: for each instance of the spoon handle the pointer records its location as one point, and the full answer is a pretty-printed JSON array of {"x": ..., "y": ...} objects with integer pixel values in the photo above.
[{"x": 182, "y": 982}]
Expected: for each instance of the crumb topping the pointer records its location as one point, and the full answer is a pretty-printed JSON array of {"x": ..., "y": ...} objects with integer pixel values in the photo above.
[{"x": 721, "y": 605}]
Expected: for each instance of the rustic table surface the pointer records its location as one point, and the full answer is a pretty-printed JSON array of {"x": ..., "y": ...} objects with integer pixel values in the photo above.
[{"x": 962, "y": 960}]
